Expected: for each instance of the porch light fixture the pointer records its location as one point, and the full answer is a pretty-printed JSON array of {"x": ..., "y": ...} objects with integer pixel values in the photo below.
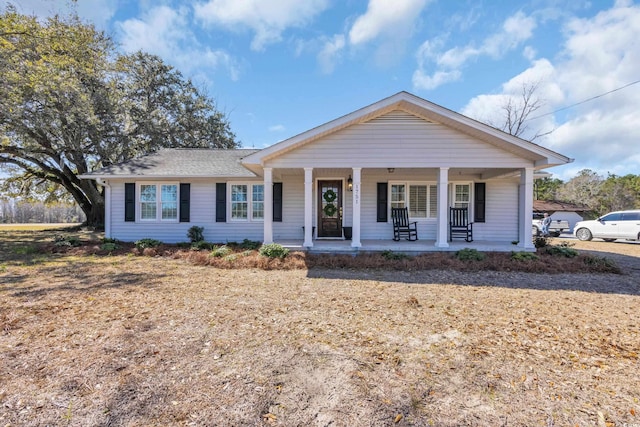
[
  {"x": 391, "y": 170},
  {"x": 350, "y": 183}
]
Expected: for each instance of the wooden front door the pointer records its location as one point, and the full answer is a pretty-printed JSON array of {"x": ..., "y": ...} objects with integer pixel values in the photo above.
[{"x": 330, "y": 208}]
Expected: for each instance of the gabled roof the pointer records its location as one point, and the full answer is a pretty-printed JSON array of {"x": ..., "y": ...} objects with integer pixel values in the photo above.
[
  {"x": 542, "y": 157},
  {"x": 179, "y": 163}
]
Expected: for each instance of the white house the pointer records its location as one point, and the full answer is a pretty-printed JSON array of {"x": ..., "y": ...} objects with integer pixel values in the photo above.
[{"x": 402, "y": 151}]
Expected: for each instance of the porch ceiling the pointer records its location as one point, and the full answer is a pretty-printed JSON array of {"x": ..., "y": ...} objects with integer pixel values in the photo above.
[{"x": 402, "y": 173}]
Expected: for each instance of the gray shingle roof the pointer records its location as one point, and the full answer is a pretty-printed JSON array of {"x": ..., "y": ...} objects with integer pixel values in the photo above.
[{"x": 182, "y": 162}]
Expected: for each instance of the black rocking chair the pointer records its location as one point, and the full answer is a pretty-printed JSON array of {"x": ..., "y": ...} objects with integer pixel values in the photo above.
[
  {"x": 459, "y": 225},
  {"x": 401, "y": 225}
]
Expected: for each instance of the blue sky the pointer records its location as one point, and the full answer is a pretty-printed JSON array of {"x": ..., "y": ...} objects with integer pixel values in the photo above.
[{"x": 281, "y": 67}]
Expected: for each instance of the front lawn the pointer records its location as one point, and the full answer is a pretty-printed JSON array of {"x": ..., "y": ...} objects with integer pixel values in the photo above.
[{"x": 130, "y": 340}]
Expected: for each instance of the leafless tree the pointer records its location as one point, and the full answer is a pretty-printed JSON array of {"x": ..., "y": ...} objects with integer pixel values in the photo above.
[{"x": 518, "y": 110}]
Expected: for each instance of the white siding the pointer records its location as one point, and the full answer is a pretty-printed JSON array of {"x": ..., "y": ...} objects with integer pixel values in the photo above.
[
  {"x": 203, "y": 197},
  {"x": 501, "y": 212},
  {"x": 398, "y": 139}
]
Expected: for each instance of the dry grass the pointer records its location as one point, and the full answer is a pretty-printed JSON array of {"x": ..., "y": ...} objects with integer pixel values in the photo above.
[{"x": 134, "y": 341}]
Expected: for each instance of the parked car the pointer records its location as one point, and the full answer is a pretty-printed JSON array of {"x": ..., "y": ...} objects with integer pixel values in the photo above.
[
  {"x": 612, "y": 226},
  {"x": 556, "y": 227}
]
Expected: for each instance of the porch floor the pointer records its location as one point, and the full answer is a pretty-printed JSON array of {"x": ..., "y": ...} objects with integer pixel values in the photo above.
[{"x": 404, "y": 246}]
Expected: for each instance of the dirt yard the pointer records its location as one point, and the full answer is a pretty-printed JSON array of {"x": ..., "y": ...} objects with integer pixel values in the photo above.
[{"x": 153, "y": 341}]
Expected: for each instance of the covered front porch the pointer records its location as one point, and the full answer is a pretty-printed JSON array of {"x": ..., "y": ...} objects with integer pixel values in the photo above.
[{"x": 402, "y": 246}]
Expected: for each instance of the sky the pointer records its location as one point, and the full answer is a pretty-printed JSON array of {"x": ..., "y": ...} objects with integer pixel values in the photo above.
[{"x": 281, "y": 67}]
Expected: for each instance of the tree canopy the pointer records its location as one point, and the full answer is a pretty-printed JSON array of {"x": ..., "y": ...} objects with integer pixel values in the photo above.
[{"x": 71, "y": 103}]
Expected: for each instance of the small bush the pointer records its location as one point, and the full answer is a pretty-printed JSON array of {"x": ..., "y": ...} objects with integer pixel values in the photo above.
[
  {"x": 523, "y": 256},
  {"x": 250, "y": 245},
  {"x": 109, "y": 247},
  {"x": 561, "y": 250},
  {"x": 69, "y": 241},
  {"x": 540, "y": 241},
  {"x": 195, "y": 234},
  {"x": 468, "y": 254},
  {"x": 602, "y": 264},
  {"x": 274, "y": 250},
  {"x": 143, "y": 244},
  {"x": 220, "y": 252},
  {"x": 201, "y": 245},
  {"x": 390, "y": 255},
  {"x": 231, "y": 257},
  {"x": 110, "y": 240}
]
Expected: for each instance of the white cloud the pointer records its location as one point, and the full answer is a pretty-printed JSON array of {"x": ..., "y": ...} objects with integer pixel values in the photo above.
[
  {"x": 165, "y": 32},
  {"x": 385, "y": 17},
  {"x": 600, "y": 55},
  {"x": 330, "y": 53},
  {"x": 276, "y": 128},
  {"x": 426, "y": 81},
  {"x": 515, "y": 30},
  {"x": 267, "y": 18}
]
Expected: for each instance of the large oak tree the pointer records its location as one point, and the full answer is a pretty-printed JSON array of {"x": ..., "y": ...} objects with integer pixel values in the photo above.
[{"x": 71, "y": 103}]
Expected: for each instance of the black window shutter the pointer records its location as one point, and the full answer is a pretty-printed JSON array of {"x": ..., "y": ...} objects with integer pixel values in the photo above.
[
  {"x": 480, "y": 193},
  {"x": 382, "y": 202},
  {"x": 185, "y": 202},
  {"x": 277, "y": 202},
  {"x": 221, "y": 202},
  {"x": 130, "y": 202}
]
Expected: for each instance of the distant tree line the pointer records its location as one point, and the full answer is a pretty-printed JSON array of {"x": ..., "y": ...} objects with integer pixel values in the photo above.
[
  {"x": 599, "y": 194},
  {"x": 14, "y": 211}
]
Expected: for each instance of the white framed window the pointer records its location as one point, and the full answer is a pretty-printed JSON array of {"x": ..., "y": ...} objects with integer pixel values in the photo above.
[
  {"x": 461, "y": 195},
  {"x": 158, "y": 201},
  {"x": 422, "y": 200},
  {"x": 246, "y": 202}
]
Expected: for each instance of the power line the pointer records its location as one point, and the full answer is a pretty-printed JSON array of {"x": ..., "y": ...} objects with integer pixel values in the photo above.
[{"x": 586, "y": 100}]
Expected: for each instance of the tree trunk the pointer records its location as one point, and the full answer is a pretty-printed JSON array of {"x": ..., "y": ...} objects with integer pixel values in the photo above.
[{"x": 94, "y": 212}]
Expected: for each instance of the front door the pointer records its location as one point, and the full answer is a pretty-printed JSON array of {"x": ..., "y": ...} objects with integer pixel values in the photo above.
[{"x": 330, "y": 208}]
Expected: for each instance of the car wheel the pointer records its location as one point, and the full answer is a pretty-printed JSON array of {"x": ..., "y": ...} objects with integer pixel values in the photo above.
[
  {"x": 584, "y": 234},
  {"x": 609, "y": 240},
  {"x": 535, "y": 231}
]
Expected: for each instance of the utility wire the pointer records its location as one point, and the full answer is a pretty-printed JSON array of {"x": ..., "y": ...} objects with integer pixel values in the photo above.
[{"x": 582, "y": 102}]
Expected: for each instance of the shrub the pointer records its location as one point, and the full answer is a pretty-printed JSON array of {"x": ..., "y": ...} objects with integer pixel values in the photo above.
[
  {"x": 468, "y": 254},
  {"x": 390, "y": 255},
  {"x": 561, "y": 250},
  {"x": 250, "y": 245},
  {"x": 109, "y": 246},
  {"x": 220, "y": 252},
  {"x": 195, "y": 234},
  {"x": 523, "y": 256},
  {"x": 540, "y": 241},
  {"x": 200, "y": 245},
  {"x": 143, "y": 244},
  {"x": 274, "y": 250},
  {"x": 602, "y": 264},
  {"x": 60, "y": 240},
  {"x": 110, "y": 240}
]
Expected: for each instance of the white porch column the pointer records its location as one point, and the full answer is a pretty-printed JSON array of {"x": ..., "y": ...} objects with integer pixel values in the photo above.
[
  {"x": 357, "y": 196},
  {"x": 443, "y": 214},
  {"x": 525, "y": 208},
  {"x": 308, "y": 207},
  {"x": 268, "y": 205}
]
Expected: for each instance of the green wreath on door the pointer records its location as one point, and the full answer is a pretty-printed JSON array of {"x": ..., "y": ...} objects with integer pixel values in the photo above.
[
  {"x": 329, "y": 196},
  {"x": 330, "y": 209}
]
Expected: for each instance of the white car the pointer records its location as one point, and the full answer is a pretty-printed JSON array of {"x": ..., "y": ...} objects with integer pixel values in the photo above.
[{"x": 612, "y": 226}]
